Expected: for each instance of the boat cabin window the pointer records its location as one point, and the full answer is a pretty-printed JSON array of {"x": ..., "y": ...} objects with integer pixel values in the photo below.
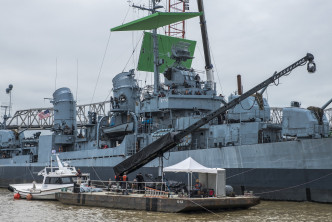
[{"x": 58, "y": 180}]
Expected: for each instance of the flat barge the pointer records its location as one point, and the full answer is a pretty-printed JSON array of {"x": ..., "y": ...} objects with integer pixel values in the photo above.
[{"x": 160, "y": 204}]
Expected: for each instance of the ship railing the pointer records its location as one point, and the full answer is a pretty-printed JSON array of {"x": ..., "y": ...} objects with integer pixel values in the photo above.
[
  {"x": 150, "y": 192},
  {"x": 131, "y": 150},
  {"x": 84, "y": 179},
  {"x": 146, "y": 188},
  {"x": 151, "y": 127}
]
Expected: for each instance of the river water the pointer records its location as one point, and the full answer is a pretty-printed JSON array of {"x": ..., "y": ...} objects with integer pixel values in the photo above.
[{"x": 23, "y": 210}]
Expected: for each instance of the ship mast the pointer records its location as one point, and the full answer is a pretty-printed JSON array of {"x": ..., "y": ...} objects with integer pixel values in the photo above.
[
  {"x": 155, "y": 47},
  {"x": 155, "y": 55},
  {"x": 152, "y": 22},
  {"x": 206, "y": 46}
]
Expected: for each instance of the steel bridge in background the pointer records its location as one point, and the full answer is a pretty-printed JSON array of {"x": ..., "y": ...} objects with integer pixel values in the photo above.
[
  {"x": 276, "y": 115},
  {"x": 329, "y": 115},
  {"x": 28, "y": 118}
]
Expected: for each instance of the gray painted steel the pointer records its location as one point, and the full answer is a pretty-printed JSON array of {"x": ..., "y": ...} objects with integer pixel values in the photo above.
[{"x": 170, "y": 205}]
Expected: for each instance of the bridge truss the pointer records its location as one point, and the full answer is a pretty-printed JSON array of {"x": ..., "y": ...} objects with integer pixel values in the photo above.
[
  {"x": 276, "y": 115},
  {"x": 28, "y": 119}
]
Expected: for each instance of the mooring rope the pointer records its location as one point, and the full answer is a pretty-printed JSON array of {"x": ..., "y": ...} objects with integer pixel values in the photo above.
[
  {"x": 98, "y": 175},
  {"x": 31, "y": 174},
  {"x": 241, "y": 173},
  {"x": 204, "y": 208},
  {"x": 287, "y": 188}
]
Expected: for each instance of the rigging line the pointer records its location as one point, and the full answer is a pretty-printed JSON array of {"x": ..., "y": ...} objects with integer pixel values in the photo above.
[
  {"x": 215, "y": 65},
  {"x": 31, "y": 173},
  {"x": 108, "y": 95},
  {"x": 241, "y": 173},
  {"x": 124, "y": 19},
  {"x": 133, "y": 44},
  {"x": 97, "y": 175},
  {"x": 169, "y": 154},
  {"x": 101, "y": 66},
  {"x": 200, "y": 52},
  {"x": 287, "y": 188},
  {"x": 133, "y": 52},
  {"x": 56, "y": 71},
  {"x": 76, "y": 78},
  {"x": 205, "y": 208}
]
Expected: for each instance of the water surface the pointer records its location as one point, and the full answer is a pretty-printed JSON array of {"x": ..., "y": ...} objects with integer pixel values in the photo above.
[{"x": 23, "y": 210}]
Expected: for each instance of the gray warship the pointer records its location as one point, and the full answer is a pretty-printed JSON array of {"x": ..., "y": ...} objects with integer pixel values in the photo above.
[{"x": 279, "y": 154}]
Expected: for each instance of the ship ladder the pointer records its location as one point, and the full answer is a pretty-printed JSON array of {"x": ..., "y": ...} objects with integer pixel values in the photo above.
[
  {"x": 259, "y": 99},
  {"x": 149, "y": 192}
]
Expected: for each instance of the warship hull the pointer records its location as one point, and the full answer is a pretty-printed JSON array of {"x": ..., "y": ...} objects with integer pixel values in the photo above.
[{"x": 294, "y": 170}]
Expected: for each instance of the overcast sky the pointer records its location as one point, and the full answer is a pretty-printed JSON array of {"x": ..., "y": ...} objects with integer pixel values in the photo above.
[{"x": 250, "y": 37}]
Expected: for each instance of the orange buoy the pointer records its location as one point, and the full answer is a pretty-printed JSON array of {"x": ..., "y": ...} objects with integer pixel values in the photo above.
[
  {"x": 29, "y": 196},
  {"x": 17, "y": 196}
]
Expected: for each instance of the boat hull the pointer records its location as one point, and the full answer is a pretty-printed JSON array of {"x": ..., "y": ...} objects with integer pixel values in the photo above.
[
  {"x": 39, "y": 194},
  {"x": 171, "y": 205},
  {"x": 269, "y": 184},
  {"x": 296, "y": 171}
]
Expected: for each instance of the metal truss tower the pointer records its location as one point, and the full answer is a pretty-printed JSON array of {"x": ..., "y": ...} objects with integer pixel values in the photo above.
[
  {"x": 177, "y": 29},
  {"x": 28, "y": 119}
]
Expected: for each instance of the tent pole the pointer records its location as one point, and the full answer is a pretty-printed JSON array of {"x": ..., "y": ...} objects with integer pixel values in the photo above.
[
  {"x": 191, "y": 181},
  {"x": 188, "y": 186},
  {"x": 216, "y": 183}
]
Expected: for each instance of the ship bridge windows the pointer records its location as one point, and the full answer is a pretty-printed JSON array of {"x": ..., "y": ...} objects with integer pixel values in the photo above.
[{"x": 58, "y": 180}]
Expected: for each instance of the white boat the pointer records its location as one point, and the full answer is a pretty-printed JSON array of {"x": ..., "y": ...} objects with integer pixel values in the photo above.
[{"x": 55, "y": 179}]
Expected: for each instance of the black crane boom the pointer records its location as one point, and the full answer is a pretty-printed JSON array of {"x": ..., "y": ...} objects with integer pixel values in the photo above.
[{"x": 170, "y": 140}]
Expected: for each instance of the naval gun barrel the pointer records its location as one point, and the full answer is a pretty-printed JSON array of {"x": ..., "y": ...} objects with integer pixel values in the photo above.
[{"x": 326, "y": 104}]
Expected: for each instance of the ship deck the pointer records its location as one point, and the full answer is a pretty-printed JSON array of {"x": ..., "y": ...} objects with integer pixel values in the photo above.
[{"x": 172, "y": 204}]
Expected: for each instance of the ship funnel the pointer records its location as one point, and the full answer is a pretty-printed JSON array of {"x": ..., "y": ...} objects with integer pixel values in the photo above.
[
  {"x": 125, "y": 90},
  {"x": 64, "y": 113},
  {"x": 239, "y": 85}
]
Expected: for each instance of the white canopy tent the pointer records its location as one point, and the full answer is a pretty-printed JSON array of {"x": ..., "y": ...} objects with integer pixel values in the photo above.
[{"x": 209, "y": 177}]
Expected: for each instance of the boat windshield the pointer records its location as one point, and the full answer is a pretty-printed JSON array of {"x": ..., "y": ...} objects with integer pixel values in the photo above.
[{"x": 58, "y": 180}]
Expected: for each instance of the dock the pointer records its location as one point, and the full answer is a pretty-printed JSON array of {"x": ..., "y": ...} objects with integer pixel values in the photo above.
[{"x": 172, "y": 204}]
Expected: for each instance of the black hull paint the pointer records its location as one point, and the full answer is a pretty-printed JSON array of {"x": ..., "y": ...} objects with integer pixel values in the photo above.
[{"x": 269, "y": 184}]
